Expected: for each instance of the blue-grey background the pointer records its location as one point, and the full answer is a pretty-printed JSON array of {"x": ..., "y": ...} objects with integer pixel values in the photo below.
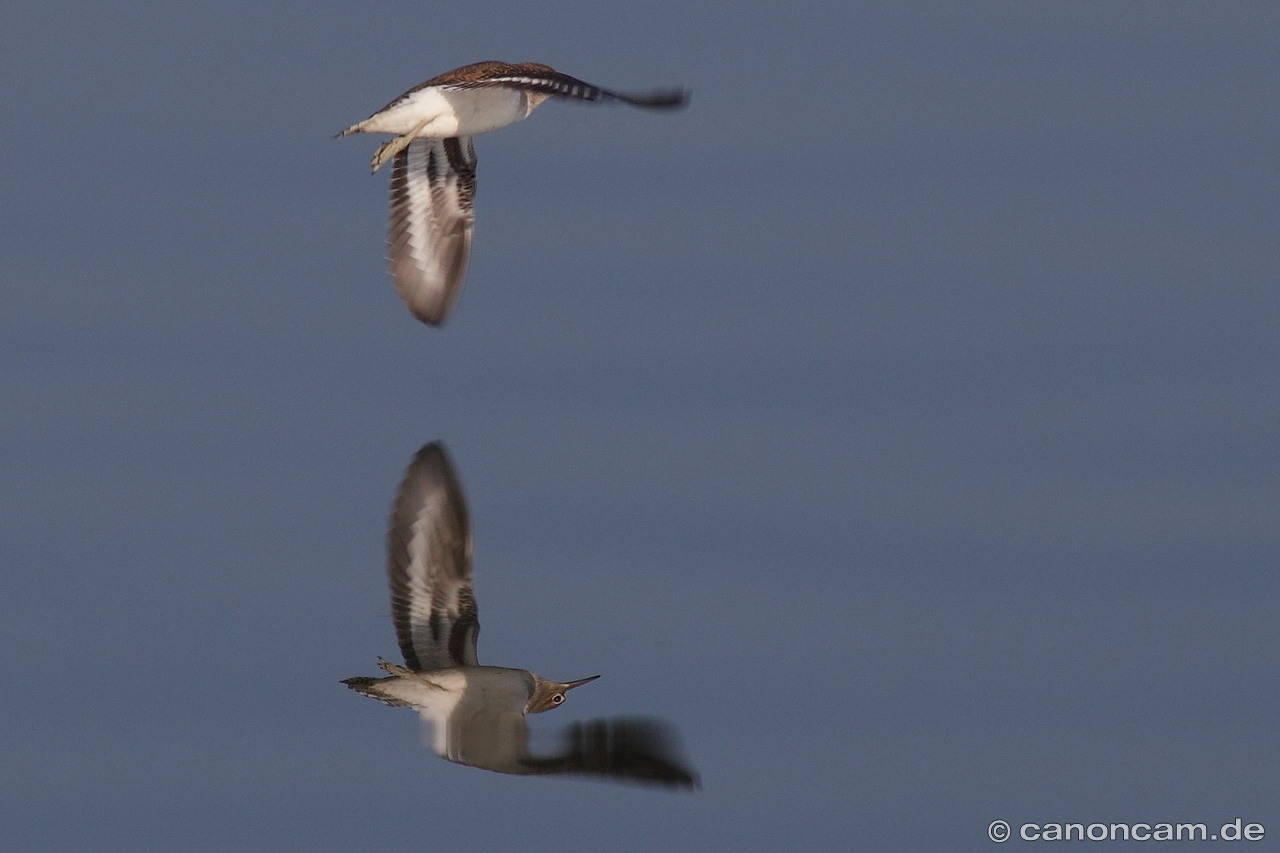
[{"x": 900, "y": 421}]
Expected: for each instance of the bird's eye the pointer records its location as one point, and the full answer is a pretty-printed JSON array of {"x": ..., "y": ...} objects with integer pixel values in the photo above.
[{"x": 557, "y": 699}]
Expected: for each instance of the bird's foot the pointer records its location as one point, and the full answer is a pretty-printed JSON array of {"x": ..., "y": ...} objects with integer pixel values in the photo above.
[
  {"x": 393, "y": 668},
  {"x": 393, "y": 147}
]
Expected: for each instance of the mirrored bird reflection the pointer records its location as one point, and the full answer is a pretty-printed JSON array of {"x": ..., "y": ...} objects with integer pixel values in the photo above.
[{"x": 476, "y": 714}]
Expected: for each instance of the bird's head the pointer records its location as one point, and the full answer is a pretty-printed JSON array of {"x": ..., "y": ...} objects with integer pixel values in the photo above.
[{"x": 549, "y": 694}]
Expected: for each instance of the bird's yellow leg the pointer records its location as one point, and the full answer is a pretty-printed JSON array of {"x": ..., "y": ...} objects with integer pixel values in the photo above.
[
  {"x": 404, "y": 672},
  {"x": 395, "y": 146},
  {"x": 392, "y": 668}
]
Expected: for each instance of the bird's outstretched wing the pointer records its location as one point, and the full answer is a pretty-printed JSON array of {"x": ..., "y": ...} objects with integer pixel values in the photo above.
[
  {"x": 429, "y": 566},
  {"x": 493, "y": 735},
  {"x": 633, "y": 749},
  {"x": 544, "y": 80},
  {"x": 433, "y": 190}
]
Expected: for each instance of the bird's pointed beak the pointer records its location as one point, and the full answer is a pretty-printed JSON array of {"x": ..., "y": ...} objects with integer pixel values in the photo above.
[{"x": 581, "y": 681}]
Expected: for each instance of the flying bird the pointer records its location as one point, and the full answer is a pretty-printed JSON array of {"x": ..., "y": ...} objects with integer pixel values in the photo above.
[
  {"x": 476, "y": 714},
  {"x": 433, "y": 176}
]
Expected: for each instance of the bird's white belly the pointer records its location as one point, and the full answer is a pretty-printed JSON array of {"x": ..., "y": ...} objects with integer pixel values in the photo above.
[
  {"x": 436, "y": 694},
  {"x": 463, "y": 112}
]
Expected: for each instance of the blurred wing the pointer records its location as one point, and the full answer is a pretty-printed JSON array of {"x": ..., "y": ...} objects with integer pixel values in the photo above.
[
  {"x": 433, "y": 190},
  {"x": 429, "y": 566},
  {"x": 627, "y": 749}
]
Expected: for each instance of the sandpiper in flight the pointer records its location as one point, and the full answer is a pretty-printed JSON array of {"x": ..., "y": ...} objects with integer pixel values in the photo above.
[
  {"x": 433, "y": 178},
  {"x": 477, "y": 713}
]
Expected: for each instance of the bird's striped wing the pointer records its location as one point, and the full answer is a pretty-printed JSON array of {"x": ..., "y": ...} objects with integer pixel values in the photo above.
[
  {"x": 429, "y": 566},
  {"x": 543, "y": 80},
  {"x": 433, "y": 190},
  {"x": 634, "y": 749}
]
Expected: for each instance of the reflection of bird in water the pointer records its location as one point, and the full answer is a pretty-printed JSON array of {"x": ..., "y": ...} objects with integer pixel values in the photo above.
[
  {"x": 477, "y": 713},
  {"x": 433, "y": 178}
]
